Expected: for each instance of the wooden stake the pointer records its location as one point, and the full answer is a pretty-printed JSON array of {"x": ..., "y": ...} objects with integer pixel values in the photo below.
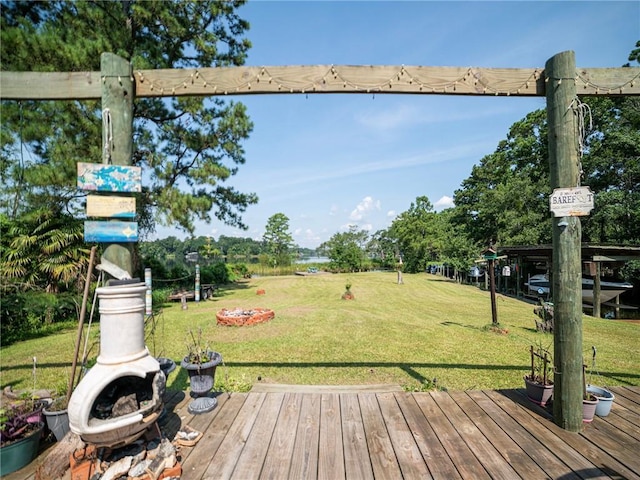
[
  {"x": 492, "y": 287},
  {"x": 83, "y": 312},
  {"x": 596, "y": 291}
]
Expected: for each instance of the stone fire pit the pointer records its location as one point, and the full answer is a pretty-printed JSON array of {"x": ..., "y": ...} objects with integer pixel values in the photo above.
[{"x": 240, "y": 316}]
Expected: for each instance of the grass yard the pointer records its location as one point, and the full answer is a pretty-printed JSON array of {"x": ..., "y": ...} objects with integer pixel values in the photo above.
[{"x": 402, "y": 334}]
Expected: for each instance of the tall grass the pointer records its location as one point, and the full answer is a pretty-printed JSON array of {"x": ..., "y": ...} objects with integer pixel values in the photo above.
[{"x": 428, "y": 328}]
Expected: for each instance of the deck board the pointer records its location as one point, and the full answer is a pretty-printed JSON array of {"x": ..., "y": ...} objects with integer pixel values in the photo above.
[
  {"x": 522, "y": 437},
  {"x": 331, "y": 452},
  {"x": 278, "y": 459},
  {"x": 357, "y": 464},
  {"x": 435, "y": 456},
  {"x": 304, "y": 461},
  {"x": 350, "y": 434},
  {"x": 497, "y": 467},
  {"x": 406, "y": 450},
  {"x": 465, "y": 461},
  {"x": 383, "y": 458},
  {"x": 254, "y": 452},
  {"x": 498, "y": 432}
]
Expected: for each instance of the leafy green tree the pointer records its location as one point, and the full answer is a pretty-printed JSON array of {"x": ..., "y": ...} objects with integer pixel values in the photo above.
[
  {"x": 612, "y": 169},
  {"x": 455, "y": 247},
  {"x": 189, "y": 147},
  {"x": 383, "y": 247},
  {"x": 277, "y": 239},
  {"x": 505, "y": 199},
  {"x": 347, "y": 250},
  {"x": 417, "y": 232}
]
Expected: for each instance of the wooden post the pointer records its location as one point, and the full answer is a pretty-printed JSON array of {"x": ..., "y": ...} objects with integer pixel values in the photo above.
[
  {"x": 567, "y": 235},
  {"x": 492, "y": 287},
  {"x": 118, "y": 92},
  {"x": 596, "y": 292}
]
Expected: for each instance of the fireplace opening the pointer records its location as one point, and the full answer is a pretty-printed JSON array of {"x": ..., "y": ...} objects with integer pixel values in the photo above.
[{"x": 123, "y": 396}]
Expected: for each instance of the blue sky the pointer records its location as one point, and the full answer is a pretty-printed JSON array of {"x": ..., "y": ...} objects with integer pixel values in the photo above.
[{"x": 330, "y": 161}]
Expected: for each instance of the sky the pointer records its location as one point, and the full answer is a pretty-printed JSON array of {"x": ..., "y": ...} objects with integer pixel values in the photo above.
[{"x": 332, "y": 161}]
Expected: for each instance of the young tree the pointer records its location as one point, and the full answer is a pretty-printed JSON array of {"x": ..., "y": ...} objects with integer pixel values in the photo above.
[
  {"x": 346, "y": 250},
  {"x": 277, "y": 239},
  {"x": 189, "y": 147}
]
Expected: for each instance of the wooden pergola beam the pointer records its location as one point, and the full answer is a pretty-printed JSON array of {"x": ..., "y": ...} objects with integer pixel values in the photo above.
[{"x": 314, "y": 79}]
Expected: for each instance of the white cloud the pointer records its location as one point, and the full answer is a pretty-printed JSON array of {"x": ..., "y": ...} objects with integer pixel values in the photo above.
[
  {"x": 366, "y": 206},
  {"x": 444, "y": 202},
  {"x": 391, "y": 214},
  {"x": 306, "y": 236}
]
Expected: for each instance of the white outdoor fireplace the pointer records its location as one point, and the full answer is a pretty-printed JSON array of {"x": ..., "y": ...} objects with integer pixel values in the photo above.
[{"x": 121, "y": 396}]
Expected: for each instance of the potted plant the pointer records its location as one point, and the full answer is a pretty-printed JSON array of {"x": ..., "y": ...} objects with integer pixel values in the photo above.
[
  {"x": 21, "y": 427},
  {"x": 589, "y": 400},
  {"x": 56, "y": 416},
  {"x": 604, "y": 396},
  {"x": 539, "y": 383},
  {"x": 605, "y": 399},
  {"x": 201, "y": 362},
  {"x": 347, "y": 295}
]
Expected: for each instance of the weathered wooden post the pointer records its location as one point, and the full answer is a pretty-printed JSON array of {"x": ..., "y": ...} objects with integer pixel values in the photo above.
[
  {"x": 490, "y": 256},
  {"x": 560, "y": 72},
  {"x": 118, "y": 92},
  {"x": 596, "y": 291}
]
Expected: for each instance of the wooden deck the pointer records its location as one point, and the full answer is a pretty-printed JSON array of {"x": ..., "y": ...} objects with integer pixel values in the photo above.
[
  {"x": 308, "y": 433},
  {"x": 390, "y": 434}
]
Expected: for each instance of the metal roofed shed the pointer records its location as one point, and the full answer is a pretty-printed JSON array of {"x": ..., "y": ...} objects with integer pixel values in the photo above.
[{"x": 600, "y": 263}]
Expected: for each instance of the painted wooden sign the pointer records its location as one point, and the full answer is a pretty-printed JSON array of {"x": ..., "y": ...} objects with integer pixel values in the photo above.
[
  {"x": 102, "y": 177},
  {"x": 571, "y": 202},
  {"x": 114, "y": 207},
  {"x": 110, "y": 232}
]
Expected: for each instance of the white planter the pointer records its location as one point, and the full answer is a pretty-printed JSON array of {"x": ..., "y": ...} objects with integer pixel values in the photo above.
[{"x": 605, "y": 399}]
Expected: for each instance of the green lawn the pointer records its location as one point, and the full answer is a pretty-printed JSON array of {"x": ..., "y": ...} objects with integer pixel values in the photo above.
[{"x": 403, "y": 334}]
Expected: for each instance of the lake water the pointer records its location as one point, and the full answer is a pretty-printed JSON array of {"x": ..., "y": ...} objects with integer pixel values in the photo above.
[{"x": 313, "y": 260}]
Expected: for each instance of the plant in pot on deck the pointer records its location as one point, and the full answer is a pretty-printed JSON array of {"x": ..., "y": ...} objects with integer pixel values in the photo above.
[
  {"x": 55, "y": 413},
  {"x": 201, "y": 362},
  {"x": 539, "y": 383},
  {"x": 589, "y": 400},
  {"x": 604, "y": 396},
  {"x": 21, "y": 427}
]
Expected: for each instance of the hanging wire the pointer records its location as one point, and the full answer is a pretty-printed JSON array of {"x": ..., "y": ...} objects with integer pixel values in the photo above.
[
  {"x": 582, "y": 111},
  {"x": 18, "y": 190}
]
